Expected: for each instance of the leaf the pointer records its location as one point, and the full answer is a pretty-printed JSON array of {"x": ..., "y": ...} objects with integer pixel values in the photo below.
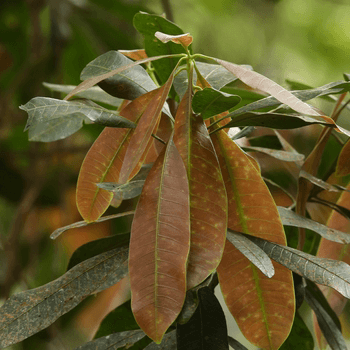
[
  {"x": 168, "y": 343},
  {"x": 209, "y": 102},
  {"x": 331, "y": 273},
  {"x": 343, "y": 163},
  {"x": 94, "y": 93},
  {"x": 183, "y": 39},
  {"x": 148, "y": 25},
  {"x": 189, "y": 307},
  {"x": 104, "y": 161},
  {"x": 300, "y": 337},
  {"x": 159, "y": 246},
  {"x": 281, "y": 155},
  {"x": 264, "y": 318},
  {"x": 290, "y": 218},
  {"x": 41, "y": 109},
  {"x": 331, "y": 332},
  {"x": 140, "y": 140},
  {"x": 114, "y": 341},
  {"x": 235, "y": 344},
  {"x": 206, "y": 330},
  {"x": 138, "y": 54},
  {"x": 252, "y": 252},
  {"x": 128, "y": 85},
  {"x": 27, "y": 313},
  {"x": 208, "y": 200},
  {"x": 320, "y": 183}
]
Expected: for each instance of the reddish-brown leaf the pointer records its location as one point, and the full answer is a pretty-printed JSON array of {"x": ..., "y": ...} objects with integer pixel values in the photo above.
[
  {"x": 139, "y": 54},
  {"x": 208, "y": 200},
  {"x": 343, "y": 164},
  {"x": 263, "y": 307},
  {"x": 104, "y": 161},
  {"x": 159, "y": 245},
  {"x": 141, "y": 140}
]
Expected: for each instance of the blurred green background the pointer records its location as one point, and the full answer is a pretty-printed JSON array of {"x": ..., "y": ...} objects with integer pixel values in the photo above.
[{"x": 52, "y": 41}]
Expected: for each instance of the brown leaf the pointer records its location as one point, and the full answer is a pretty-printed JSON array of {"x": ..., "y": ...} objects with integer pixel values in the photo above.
[
  {"x": 183, "y": 39},
  {"x": 343, "y": 164},
  {"x": 159, "y": 245},
  {"x": 135, "y": 55}
]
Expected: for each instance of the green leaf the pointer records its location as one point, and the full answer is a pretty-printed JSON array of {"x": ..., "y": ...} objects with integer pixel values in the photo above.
[
  {"x": 209, "y": 102},
  {"x": 128, "y": 85},
  {"x": 206, "y": 330},
  {"x": 95, "y": 93},
  {"x": 148, "y": 25},
  {"x": 29, "y": 312},
  {"x": 96, "y": 247},
  {"x": 300, "y": 337},
  {"x": 252, "y": 252}
]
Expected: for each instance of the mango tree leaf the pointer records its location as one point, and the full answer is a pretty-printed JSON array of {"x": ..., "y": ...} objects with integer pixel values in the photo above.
[
  {"x": 331, "y": 273},
  {"x": 148, "y": 25},
  {"x": 235, "y": 344},
  {"x": 141, "y": 139},
  {"x": 208, "y": 201},
  {"x": 95, "y": 93},
  {"x": 29, "y": 312},
  {"x": 207, "y": 328},
  {"x": 104, "y": 160},
  {"x": 300, "y": 337},
  {"x": 159, "y": 245},
  {"x": 343, "y": 163},
  {"x": 247, "y": 130},
  {"x": 329, "y": 328},
  {"x": 252, "y": 252},
  {"x": 340, "y": 209},
  {"x": 128, "y": 85},
  {"x": 183, "y": 39},
  {"x": 209, "y": 102},
  {"x": 251, "y": 296},
  {"x": 281, "y": 155},
  {"x": 168, "y": 343},
  {"x": 290, "y": 218},
  {"x": 114, "y": 341}
]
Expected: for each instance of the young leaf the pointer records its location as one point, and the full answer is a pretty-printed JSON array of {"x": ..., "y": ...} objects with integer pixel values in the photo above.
[
  {"x": 258, "y": 257},
  {"x": 159, "y": 245},
  {"x": 264, "y": 319},
  {"x": 331, "y": 273},
  {"x": 31, "y": 311},
  {"x": 259, "y": 82},
  {"x": 183, "y": 39},
  {"x": 128, "y": 85},
  {"x": 290, "y": 218},
  {"x": 281, "y": 155},
  {"x": 208, "y": 200},
  {"x": 206, "y": 330},
  {"x": 104, "y": 160},
  {"x": 209, "y": 102},
  {"x": 141, "y": 139},
  {"x": 135, "y": 55},
  {"x": 114, "y": 341},
  {"x": 343, "y": 163}
]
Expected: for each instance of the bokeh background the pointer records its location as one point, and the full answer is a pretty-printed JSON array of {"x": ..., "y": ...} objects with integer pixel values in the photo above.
[{"x": 51, "y": 41}]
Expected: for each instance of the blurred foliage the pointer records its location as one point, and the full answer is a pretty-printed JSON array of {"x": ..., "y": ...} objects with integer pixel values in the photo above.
[{"x": 52, "y": 41}]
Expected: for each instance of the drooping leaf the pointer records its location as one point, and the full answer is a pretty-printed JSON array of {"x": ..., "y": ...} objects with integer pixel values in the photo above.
[
  {"x": 300, "y": 337},
  {"x": 252, "y": 252},
  {"x": 264, "y": 319},
  {"x": 159, "y": 246},
  {"x": 320, "y": 183},
  {"x": 329, "y": 329},
  {"x": 290, "y": 218},
  {"x": 114, "y": 341},
  {"x": 95, "y": 93},
  {"x": 235, "y": 344},
  {"x": 138, "y": 54},
  {"x": 343, "y": 163},
  {"x": 282, "y": 155},
  {"x": 128, "y": 85},
  {"x": 331, "y": 273},
  {"x": 141, "y": 139},
  {"x": 104, "y": 161},
  {"x": 148, "y": 25},
  {"x": 29, "y": 312},
  {"x": 168, "y": 343},
  {"x": 208, "y": 200},
  {"x": 183, "y": 39},
  {"x": 209, "y": 102},
  {"x": 206, "y": 330}
]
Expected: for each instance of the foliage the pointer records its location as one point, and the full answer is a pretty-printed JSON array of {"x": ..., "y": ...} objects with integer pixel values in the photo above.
[{"x": 204, "y": 214}]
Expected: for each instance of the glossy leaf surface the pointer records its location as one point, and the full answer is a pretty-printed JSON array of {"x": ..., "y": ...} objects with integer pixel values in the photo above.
[
  {"x": 206, "y": 330},
  {"x": 29, "y": 312},
  {"x": 263, "y": 307},
  {"x": 209, "y": 102},
  {"x": 129, "y": 84},
  {"x": 159, "y": 246},
  {"x": 207, "y": 193},
  {"x": 104, "y": 161}
]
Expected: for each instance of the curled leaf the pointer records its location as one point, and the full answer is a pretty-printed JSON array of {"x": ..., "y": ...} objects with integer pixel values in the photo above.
[{"x": 183, "y": 39}]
